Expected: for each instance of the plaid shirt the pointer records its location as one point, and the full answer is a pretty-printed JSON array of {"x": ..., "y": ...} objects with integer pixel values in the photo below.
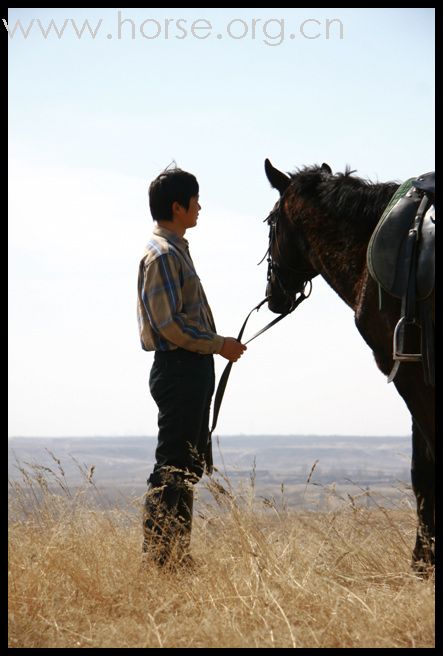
[{"x": 172, "y": 307}]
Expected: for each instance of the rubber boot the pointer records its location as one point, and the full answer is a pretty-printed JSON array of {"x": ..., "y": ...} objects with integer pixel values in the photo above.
[{"x": 167, "y": 521}]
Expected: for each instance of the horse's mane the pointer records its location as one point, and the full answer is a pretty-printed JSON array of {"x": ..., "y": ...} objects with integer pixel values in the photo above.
[{"x": 342, "y": 195}]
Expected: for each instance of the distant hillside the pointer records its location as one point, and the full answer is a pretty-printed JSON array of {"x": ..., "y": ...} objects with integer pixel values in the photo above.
[{"x": 271, "y": 461}]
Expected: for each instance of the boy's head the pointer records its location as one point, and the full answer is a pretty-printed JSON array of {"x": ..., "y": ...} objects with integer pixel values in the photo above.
[{"x": 173, "y": 185}]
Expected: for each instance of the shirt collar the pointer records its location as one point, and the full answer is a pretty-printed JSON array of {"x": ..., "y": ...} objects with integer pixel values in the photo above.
[{"x": 170, "y": 236}]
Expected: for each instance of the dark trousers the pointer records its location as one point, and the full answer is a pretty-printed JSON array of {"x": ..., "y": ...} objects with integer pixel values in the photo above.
[{"x": 182, "y": 385}]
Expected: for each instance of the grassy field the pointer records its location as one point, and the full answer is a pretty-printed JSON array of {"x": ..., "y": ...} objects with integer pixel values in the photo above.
[{"x": 266, "y": 576}]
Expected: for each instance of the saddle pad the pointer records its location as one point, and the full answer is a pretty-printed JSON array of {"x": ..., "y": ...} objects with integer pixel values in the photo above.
[{"x": 387, "y": 244}]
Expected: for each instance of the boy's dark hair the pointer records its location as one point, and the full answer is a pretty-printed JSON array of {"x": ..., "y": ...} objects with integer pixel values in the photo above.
[{"x": 171, "y": 185}]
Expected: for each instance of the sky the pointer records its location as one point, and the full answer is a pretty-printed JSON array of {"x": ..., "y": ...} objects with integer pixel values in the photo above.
[{"x": 95, "y": 116}]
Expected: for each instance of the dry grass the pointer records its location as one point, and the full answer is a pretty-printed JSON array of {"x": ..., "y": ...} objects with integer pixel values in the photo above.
[{"x": 267, "y": 577}]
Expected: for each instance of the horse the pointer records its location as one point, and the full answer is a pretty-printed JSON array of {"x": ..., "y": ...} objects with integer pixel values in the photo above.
[{"x": 321, "y": 225}]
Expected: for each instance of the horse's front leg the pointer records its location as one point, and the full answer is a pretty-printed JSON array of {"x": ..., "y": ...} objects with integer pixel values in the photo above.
[{"x": 423, "y": 484}]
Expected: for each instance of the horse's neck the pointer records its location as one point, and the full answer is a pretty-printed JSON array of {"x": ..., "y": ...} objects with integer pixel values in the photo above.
[
  {"x": 343, "y": 267},
  {"x": 341, "y": 241}
]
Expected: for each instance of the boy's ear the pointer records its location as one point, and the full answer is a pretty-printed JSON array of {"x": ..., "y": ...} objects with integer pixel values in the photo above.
[{"x": 176, "y": 207}]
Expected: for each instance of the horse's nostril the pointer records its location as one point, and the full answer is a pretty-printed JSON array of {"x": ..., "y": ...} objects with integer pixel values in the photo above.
[{"x": 278, "y": 305}]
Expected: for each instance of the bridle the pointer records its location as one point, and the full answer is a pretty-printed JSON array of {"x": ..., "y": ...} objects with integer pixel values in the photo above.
[{"x": 275, "y": 267}]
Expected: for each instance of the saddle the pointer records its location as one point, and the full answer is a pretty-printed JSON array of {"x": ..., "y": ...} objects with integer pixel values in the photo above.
[{"x": 401, "y": 259}]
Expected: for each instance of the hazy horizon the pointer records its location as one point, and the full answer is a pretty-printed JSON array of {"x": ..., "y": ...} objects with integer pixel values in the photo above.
[
  {"x": 274, "y": 459},
  {"x": 221, "y": 436}
]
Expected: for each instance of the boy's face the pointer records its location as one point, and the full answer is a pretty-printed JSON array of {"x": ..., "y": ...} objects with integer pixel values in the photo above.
[{"x": 187, "y": 218}]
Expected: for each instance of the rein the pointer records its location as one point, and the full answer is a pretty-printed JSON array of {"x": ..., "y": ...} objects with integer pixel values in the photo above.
[{"x": 227, "y": 370}]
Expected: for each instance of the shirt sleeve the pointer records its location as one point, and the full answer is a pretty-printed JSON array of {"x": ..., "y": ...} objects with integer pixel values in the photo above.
[{"x": 163, "y": 302}]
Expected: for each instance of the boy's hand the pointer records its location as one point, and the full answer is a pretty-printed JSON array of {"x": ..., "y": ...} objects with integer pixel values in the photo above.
[{"x": 232, "y": 349}]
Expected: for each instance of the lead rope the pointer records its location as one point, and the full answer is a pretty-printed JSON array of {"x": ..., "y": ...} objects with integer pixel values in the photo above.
[{"x": 227, "y": 370}]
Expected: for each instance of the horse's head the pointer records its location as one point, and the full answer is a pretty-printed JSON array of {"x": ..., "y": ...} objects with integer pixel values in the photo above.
[{"x": 289, "y": 267}]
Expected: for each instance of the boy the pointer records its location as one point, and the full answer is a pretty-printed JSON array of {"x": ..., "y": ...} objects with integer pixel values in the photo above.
[{"x": 176, "y": 322}]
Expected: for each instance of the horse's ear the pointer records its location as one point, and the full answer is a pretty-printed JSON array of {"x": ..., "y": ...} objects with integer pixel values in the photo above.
[
  {"x": 326, "y": 168},
  {"x": 278, "y": 180}
]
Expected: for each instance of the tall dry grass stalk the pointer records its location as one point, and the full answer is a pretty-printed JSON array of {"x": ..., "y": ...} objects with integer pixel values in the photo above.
[{"x": 266, "y": 577}]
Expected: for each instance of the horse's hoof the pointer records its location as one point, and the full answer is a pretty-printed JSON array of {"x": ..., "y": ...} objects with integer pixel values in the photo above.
[{"x": 422, "y": 569}]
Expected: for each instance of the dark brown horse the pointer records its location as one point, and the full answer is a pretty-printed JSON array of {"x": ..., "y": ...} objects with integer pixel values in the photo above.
[{"x": 321, "y": 225}]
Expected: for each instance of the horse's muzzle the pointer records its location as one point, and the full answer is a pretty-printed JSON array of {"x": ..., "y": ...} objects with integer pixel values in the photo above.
[{"x": 278, "y": 302}]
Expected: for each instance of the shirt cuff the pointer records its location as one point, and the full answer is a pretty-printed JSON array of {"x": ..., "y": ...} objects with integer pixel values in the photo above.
[{"x": 219, "y": 342}]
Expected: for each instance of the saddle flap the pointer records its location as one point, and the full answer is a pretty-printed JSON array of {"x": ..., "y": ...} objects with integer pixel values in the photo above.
[{"x": 388, "y": 240}]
